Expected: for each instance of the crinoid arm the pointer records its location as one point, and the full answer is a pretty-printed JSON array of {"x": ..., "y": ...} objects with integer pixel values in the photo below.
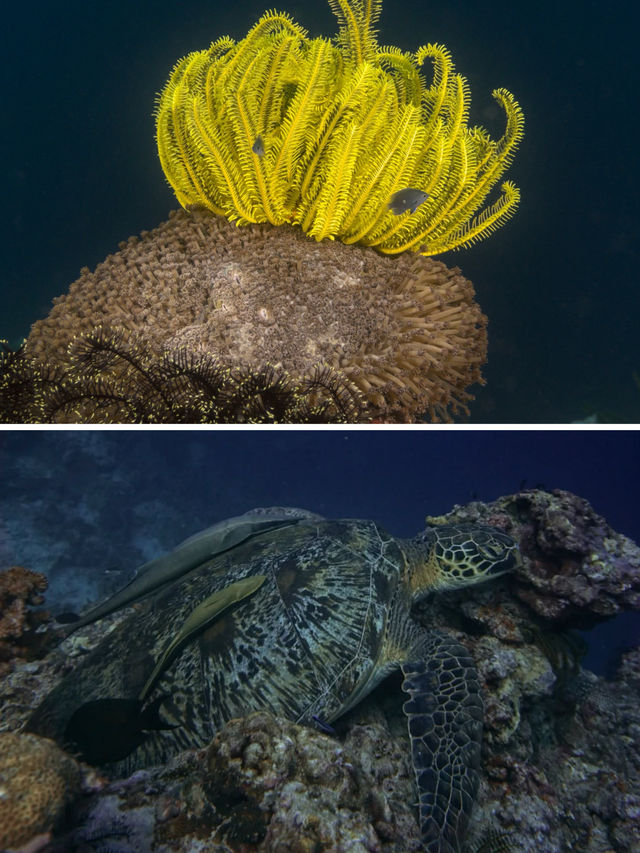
[
  {"x": 357, "y": 36},
  {"x": 281, "y": 128}
]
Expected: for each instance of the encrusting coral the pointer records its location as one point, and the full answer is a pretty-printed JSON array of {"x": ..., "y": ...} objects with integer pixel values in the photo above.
[{"x": 404, "y": 332}]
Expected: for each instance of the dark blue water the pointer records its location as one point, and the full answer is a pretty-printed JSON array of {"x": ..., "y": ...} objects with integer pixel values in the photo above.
[
  {"x": 559, "y": 282},
  {"x": 88, "y": 507}
]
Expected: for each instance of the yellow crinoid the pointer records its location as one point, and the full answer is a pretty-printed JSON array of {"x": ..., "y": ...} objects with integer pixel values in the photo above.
[{"x": 344, "y": 138}]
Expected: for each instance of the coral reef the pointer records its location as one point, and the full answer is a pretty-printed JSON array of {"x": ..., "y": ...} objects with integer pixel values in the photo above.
[
  {"x": 566, "y": 777},
  {"x": 20, "y": 590},
  {"x": 37, "y": 780},
  {"x": 561, "y": 770},
  {"x": 303, "y": 790},
  {"x": 559, "y": 780},
  {"x": 404, "y": 331}
]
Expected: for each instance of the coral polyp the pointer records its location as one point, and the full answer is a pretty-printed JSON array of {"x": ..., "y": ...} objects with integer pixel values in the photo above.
[{"x": 330, "y": 134}]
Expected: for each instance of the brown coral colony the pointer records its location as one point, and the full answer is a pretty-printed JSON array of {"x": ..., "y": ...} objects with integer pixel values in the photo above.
[
  {"x": 403, "y": 330},
  {"x": 20, "y": 590}
]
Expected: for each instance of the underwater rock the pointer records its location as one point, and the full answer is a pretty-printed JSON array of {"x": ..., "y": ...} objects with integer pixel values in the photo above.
[
  {"x": 568, "y": 778},
  {"x": 264, "y": 784},
  {"x": 561, "y": 768},
  {"x": 563, "y": 779},
  {"x": 299, "y": 790}
]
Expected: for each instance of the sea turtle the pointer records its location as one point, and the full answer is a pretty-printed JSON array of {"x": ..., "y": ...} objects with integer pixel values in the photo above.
[{"x": 301, "y": 616}]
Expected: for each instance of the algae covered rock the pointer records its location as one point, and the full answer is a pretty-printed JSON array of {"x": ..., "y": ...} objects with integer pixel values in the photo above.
[
  {"x": 289, "y": 788},
  {"x": 576, "y": 567}
]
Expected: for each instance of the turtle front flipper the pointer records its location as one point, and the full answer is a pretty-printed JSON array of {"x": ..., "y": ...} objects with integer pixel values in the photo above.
[{"x": 445, "y": 725}]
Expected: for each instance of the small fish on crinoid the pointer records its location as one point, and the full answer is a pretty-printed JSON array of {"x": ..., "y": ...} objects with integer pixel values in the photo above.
[
  {"x": 258, "y": 146},
  {"x": 407, "y": 200}
]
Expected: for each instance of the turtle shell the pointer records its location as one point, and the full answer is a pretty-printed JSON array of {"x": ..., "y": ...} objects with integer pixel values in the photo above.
[{"x": 306, "y": 644}]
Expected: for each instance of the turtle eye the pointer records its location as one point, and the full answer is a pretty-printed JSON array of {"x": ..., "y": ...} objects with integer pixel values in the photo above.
[
  {"x": 495, "y": 550},
  {"x": 503, "y": 558}
]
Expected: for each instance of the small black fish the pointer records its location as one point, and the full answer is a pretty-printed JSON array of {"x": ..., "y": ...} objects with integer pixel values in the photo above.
[
  {"x": 407, "y": 200},
  {"x": 258, "y": 147},
  {"x": 66, "y": 617},
  {"x": 108, "y": 730}
]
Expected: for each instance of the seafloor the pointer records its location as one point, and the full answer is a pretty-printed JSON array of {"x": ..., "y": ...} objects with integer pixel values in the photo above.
[{"x": 560, "y": 764}]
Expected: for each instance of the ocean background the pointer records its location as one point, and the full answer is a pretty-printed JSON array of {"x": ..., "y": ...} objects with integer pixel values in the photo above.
[
  {"x": 86, "y": 508},
  {"x": 559, "y": 282}
]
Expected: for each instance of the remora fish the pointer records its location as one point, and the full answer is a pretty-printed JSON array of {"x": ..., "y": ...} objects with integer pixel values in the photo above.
[{"x": 191, "y": 553}]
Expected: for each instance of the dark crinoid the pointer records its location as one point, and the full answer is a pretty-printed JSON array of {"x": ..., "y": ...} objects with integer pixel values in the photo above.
[{"x": 115, "y": 376}]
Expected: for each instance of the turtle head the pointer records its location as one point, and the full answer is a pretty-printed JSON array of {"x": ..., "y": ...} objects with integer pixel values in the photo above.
[{"x": 451, "y": 556}]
